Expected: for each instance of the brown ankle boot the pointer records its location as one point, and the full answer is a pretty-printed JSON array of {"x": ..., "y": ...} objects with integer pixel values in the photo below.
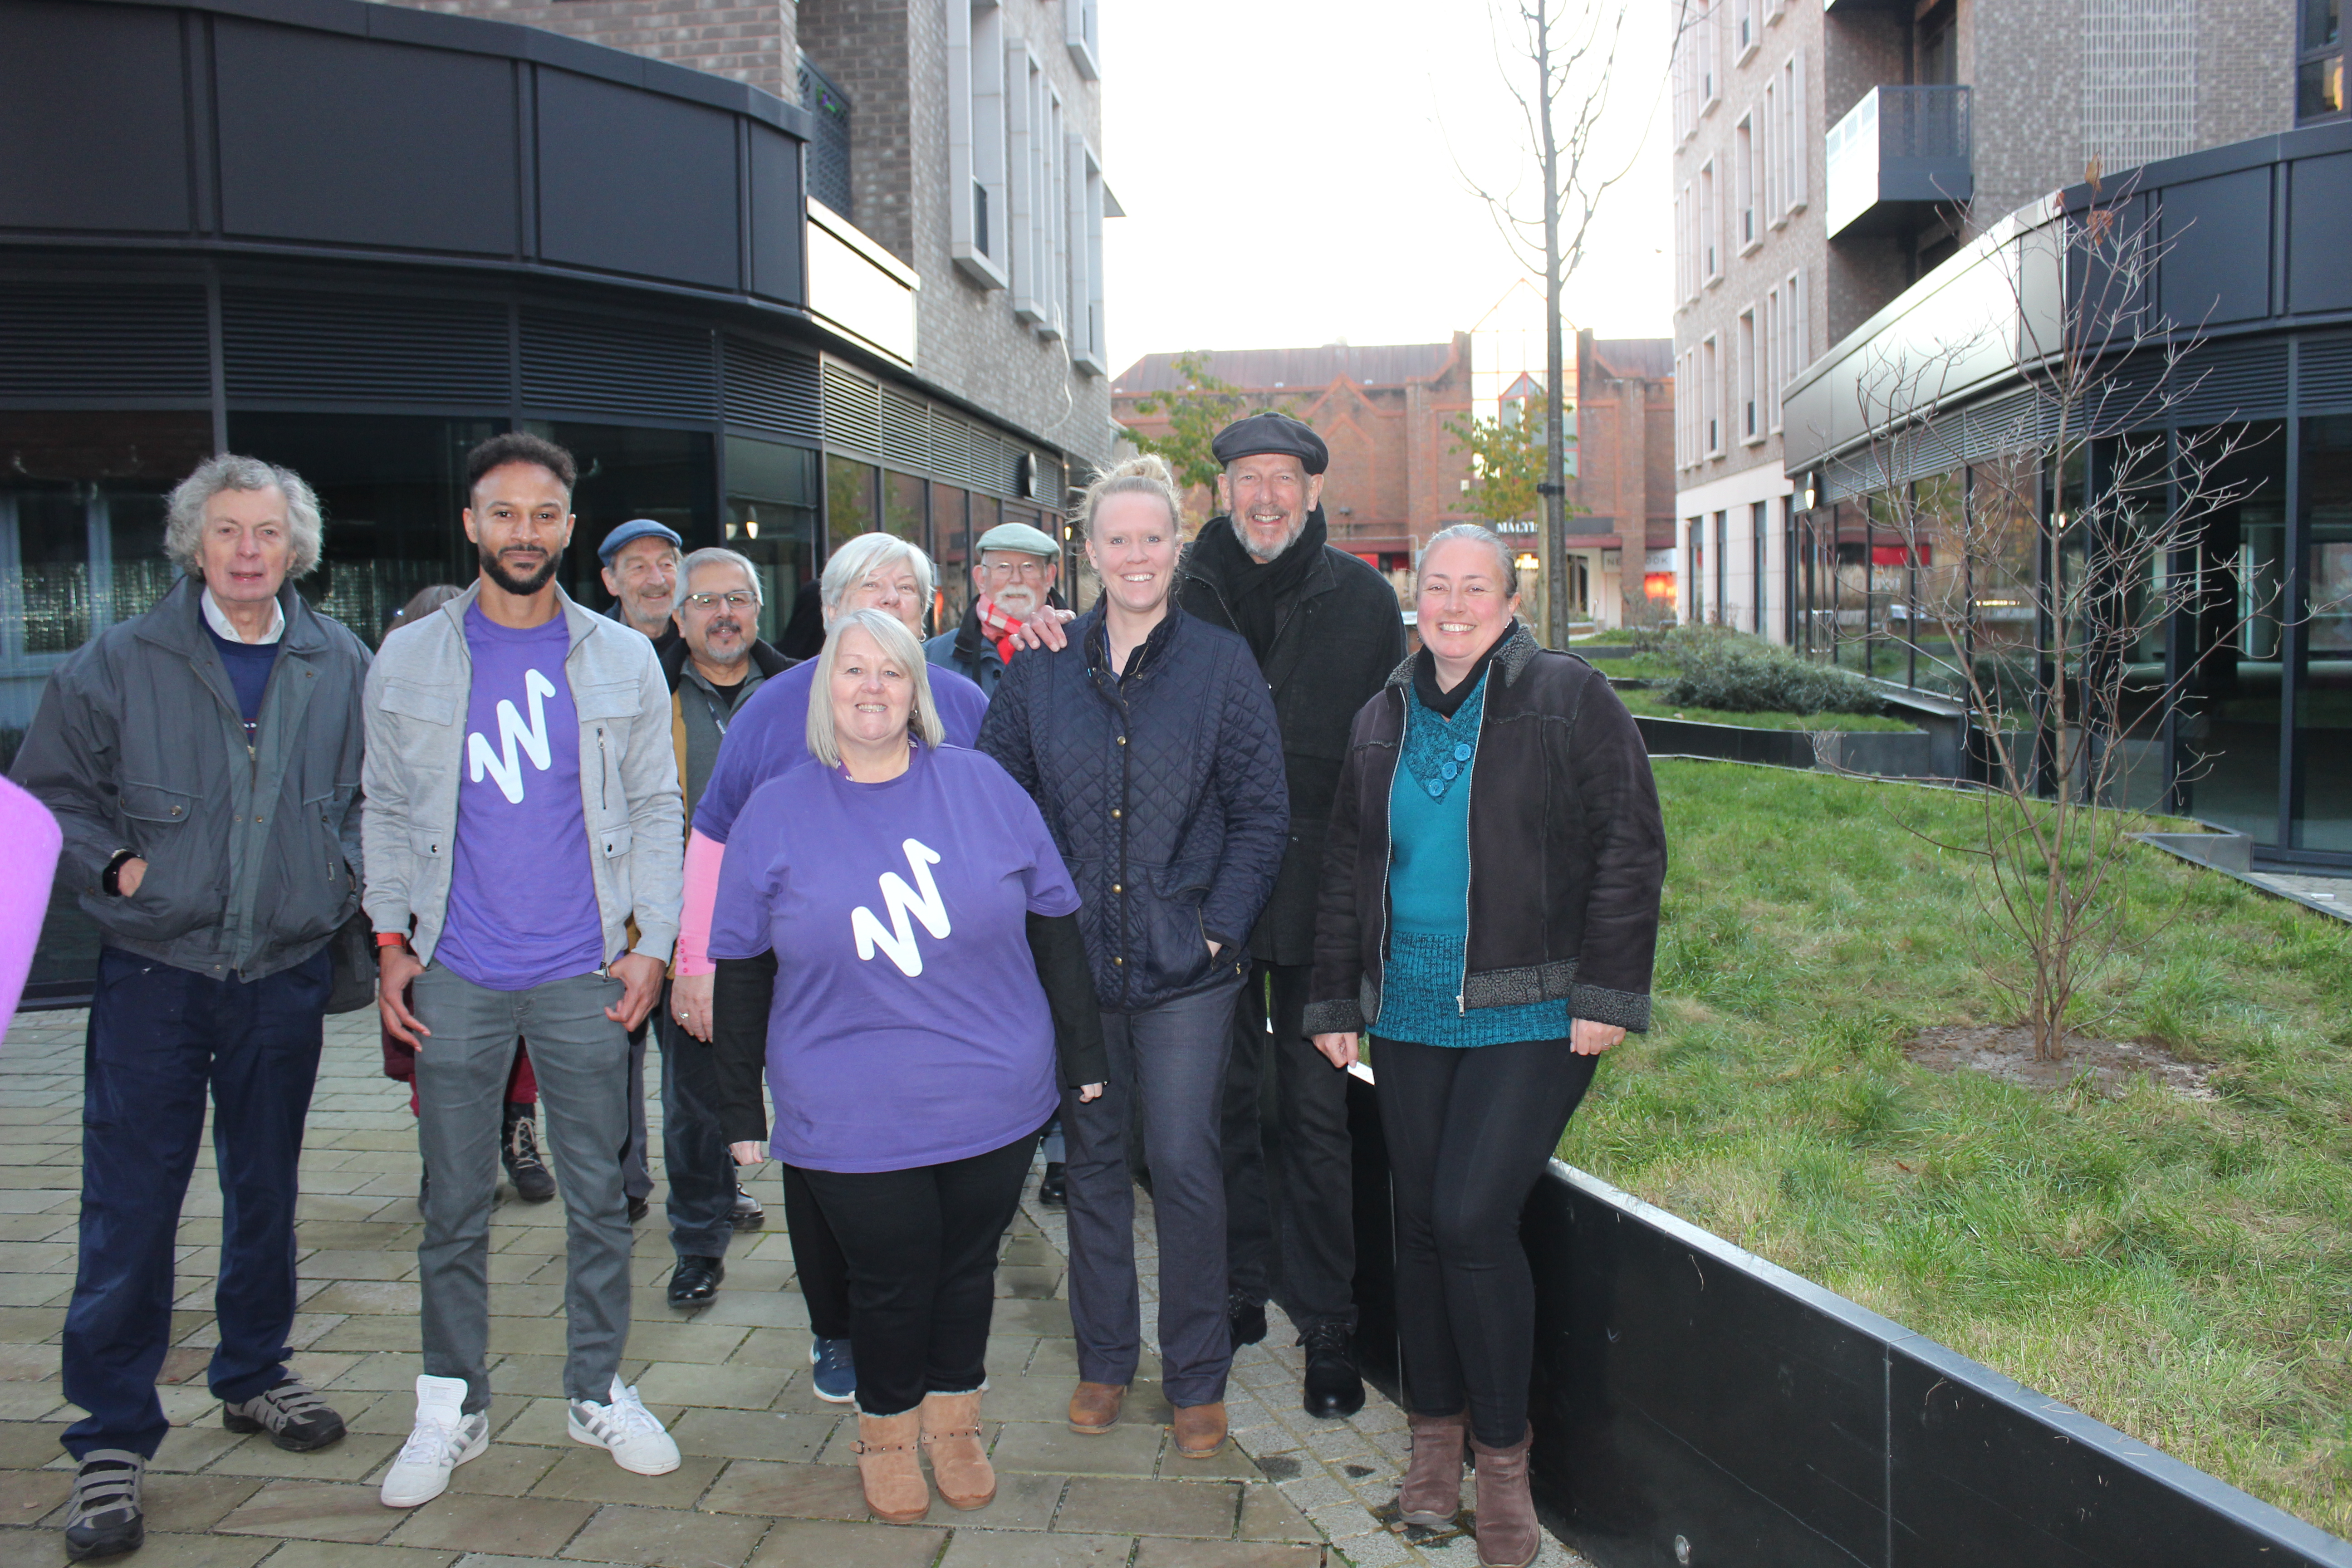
[
  {"x": 1431, "y": 1493},
  {"x": 1094, "y": 1408},
  {"x": 1508, "y": 1536},
  {"x": 895, "y": 1492},
  {"x": 959, "y": 1465},
  {"x": 1200, "y": 1429}
]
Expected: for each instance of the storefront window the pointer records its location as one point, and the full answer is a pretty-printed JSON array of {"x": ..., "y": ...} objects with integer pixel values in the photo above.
[
  {"x": 952, "y": 548},
  {"x": 2229, "y": 750},
  {"x": 2322, "y": 792},
  {"x": 631, "y": 471},
  {"x": 772, "y": 517},
  {"x": 851, "y": 504}
]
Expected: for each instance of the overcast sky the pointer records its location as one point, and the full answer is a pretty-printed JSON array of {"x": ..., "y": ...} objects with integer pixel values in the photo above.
[{"x": 1284, "y": 168}]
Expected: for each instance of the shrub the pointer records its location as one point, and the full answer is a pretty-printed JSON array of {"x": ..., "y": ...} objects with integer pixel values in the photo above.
[{"x": 1739, "y": 674}]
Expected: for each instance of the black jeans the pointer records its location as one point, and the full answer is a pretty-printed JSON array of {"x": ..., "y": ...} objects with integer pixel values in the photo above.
[
  {"x": 1468, "y": 1133},
  {"x": 921, "y": 1246},
  {"x": 161, "y": 1040},
  {"x": 695, "y": 1162},
  {"x": 818, "y": 1266},
  {"x": 1290, "y": 1222}
]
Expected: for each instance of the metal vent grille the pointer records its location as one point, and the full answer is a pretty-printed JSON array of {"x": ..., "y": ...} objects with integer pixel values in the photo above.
[
  {"x": 772, "y": 390},
  {"x": 829, "y": 155},
  {"x": 70, "y": 342},
  {"x": 282, "y": 346},
  {"x": 906, "y": 432},
  {"x": 853, "y": 413},
  {"x": 954, "y": 452},
  {"x": 2231, "y": 381},
  {"x": 608, "y": 365},
  {"x": 2324, "y": 375}
]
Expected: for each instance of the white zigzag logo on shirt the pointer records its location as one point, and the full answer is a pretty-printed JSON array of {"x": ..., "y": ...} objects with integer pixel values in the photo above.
[
  {"x": 898, "y": 939},
  {"x": 503, "y": 765}
]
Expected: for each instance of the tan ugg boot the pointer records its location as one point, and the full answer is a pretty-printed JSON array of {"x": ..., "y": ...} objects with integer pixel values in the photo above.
[
  {"x": 895, "y": 1492},
  {"x": 960, "y": 1466},
  {"x": 1431, "y": 1492}
]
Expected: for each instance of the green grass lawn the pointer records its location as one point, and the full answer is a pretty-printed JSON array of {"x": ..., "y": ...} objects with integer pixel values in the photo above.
[
  {"x": 2180, "y": 1270},
  {"x": 1656, "y": 707}
]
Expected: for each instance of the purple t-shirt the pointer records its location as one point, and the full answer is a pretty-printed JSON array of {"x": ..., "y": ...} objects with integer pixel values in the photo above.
[
  {"x": 909, "y": 1026},
  {"x": 523, "y": 897},
  {"x": 769, "y": 733}
]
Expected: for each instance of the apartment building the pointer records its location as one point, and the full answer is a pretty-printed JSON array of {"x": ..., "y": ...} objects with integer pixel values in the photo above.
[{"x": 1831, "y": 153}]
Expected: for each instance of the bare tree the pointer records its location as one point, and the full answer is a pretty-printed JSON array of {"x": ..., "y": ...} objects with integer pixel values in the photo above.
[
  {"x": 1555, "y": 59},
  {"x": 2039, "y": 574}
]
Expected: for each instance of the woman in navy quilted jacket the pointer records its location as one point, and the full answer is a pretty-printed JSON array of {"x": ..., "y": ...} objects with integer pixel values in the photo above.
[{"x": 1149, "y": 742}]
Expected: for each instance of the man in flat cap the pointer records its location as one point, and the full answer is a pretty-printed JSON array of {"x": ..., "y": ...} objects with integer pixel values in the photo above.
[
  {"x": 1012, "y": 579},
  {"x": 1327, "y": 630},
  {"x": 641, "y": 559}
]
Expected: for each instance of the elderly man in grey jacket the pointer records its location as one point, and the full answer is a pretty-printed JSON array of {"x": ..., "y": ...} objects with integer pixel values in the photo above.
[
  {"x": 526, "y": 850},
  {"x": 203, "y": 760}
]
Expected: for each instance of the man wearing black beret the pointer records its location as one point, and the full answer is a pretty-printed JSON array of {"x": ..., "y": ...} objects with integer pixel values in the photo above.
[{"x": 1327, "y": 631}]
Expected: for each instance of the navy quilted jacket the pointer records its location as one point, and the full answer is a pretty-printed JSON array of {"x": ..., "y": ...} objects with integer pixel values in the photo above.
[{"x": 1165, "y": 794}]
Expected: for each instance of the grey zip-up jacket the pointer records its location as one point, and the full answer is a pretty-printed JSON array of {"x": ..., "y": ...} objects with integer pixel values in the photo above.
[
  {"x": 253, "y": 855},
  {"x": 416, "y": 700}
]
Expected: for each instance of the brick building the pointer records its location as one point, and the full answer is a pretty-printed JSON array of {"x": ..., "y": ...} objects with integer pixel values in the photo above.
[
  {"x": 1829, "y": 156},
  {"x": 1395, "y": 477}
]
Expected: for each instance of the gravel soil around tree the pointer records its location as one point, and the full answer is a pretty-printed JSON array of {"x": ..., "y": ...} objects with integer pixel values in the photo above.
[{"x": 2177, "y": 1264}]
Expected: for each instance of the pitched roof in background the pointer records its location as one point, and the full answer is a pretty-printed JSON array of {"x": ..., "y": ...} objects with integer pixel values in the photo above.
[
  {"x": 1263, "y": 370},
  {"x": 1651, "y": 359}
]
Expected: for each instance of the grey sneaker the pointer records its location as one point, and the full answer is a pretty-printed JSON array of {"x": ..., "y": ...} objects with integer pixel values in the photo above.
[
  {"x": 104, "y": 1519},
  {"x": 296, "y": 1418}
]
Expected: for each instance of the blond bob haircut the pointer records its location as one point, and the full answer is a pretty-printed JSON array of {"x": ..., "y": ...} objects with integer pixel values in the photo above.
[
  {"x": 1506, "y": 565},
  {"x": 1146, "y": 475},
  {"x": 868, "y": 553},
  {"x": 898, "y": 646},
  {"x": 184, "y": 522}
]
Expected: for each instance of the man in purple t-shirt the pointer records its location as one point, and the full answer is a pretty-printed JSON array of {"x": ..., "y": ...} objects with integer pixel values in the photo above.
[{"x": 522, "y": 832}]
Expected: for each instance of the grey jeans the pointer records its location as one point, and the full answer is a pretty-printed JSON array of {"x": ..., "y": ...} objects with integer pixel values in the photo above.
[
  {"x": 582, "y": 1060},
  {"x": 1171, "y": 1061}
]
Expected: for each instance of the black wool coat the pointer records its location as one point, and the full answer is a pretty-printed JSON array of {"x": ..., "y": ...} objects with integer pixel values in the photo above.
[
  {"x": 1164, "y": 793},
  {"x": 1334, "y": 644},
  {"x": 1568, "y": 851}
]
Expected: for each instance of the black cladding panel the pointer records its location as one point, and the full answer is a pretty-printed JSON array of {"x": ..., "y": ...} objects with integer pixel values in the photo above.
[
  {"x": 99, "y": 93},
  {"x": 632, "y": 182},
  {"x": 776, "y": 209},
  {"x": 2216, "y": 264},
  {"x": 2319, "y": 234},
  {"x": 328, "y": 138}
]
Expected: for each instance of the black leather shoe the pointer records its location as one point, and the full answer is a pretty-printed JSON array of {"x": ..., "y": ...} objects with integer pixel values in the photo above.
[
  {"x": 695, "y": 1281},
  {"x": 748, "y": 1214},
  {"x": 638, "y": 1209},
  {"x": 1054, "y": 1186},
  {"x": 519, "y": 1153},
  {"x": 1245, "y": 1318},
  {"x": 1335, "y": 1390}
]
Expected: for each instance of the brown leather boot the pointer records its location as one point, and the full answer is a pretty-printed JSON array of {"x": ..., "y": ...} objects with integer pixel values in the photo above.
[
  {"x": 1094, "y": 1408},
  {"x": 1200, "y": 1429},
  {"x": 1508, "y": 1536},
  {"x": 1431, "y": 1492},
  {"x": 960, "y": 1466},
  {"x": 895, "y": 1492}
]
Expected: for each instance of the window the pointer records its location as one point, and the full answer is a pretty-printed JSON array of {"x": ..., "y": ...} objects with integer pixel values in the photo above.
[
  {"x": 978, "y": 239},
  {"x": 1697, "y": 551},
  {"x": 1795, "y": 152},
  {"x": 1798, "y": 328},
  {"x": 1774, "y": 9},
  {"x": 1749, "y": 417},
  {"x": 1743, "y": 138},
  {"x": 1722, "y": 549},
  {"x": 1711, "y": 395},
  {"x": 1746, "y": 34},
  {"x": 1756, "y": 514},
  {"x": 1085, "y": 336},
  {"x": 1710, "y": 242},
  {"x": 1691, "y": 259},
  {"x": 1767, "y": 154},
  {"x": 1029, "y": 216},
  {"x": 1078, "y": 33},
  {"x": 1708, "y": 36},
  {"x": 1773, "y": 373},
  {"x": 2319, "y": 60}
]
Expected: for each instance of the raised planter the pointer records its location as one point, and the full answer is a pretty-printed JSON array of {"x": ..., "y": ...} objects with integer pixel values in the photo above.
[
  {"x": 1889, "y": 753},
  {"x": 1695, "y": 1404}
]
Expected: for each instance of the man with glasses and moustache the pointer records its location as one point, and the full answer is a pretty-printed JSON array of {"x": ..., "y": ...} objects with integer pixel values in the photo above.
[{"x": 1012, "y": 581}]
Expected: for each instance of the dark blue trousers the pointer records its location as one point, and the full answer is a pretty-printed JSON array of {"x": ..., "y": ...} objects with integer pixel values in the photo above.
[{"x": 161, "y": 1039}]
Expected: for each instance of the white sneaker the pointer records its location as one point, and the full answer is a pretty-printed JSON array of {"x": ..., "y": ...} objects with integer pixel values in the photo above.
[
  {"x": 443, "y": 1437},
  {"x": 628, "y": 1429}
]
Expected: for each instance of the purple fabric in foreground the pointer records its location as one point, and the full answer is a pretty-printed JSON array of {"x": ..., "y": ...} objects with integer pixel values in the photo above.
[{"x": 27, "y": 870}]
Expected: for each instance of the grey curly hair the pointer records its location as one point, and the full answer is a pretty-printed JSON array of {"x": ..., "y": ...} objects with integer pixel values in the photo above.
[{"x": 183, "y": 524}]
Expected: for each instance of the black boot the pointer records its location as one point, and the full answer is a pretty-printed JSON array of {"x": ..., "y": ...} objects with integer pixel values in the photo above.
[
  {"x": 520, "y": 1151},
  {"x": 695, "y": 1280},
  {"x": 1054, "y": 1187},
  {"x": 1335, "y": 1390},
  {"x": 747, "y": 1214},
  {"x": 1245, "y": 1318}
]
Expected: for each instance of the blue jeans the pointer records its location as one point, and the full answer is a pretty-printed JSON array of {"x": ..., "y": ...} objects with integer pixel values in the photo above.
[
  {"x": 1171, "y": 1059},
  {"x": 160, "y": 1038}
]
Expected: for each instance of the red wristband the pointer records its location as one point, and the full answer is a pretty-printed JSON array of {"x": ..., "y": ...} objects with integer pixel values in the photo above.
[{"x": 389, "y": 939}]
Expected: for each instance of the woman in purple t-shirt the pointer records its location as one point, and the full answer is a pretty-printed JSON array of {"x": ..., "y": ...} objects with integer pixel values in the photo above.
[{"x": 897, "y": 948}]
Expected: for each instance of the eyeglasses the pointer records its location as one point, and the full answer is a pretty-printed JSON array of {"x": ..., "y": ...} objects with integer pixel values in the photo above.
[
  {"x": 1027, "y": 566},
  {"x": 738, "y": 600}
]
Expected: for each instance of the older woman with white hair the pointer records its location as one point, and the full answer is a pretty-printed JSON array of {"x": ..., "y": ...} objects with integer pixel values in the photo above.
[
  {"x": 897, "y": 948},
  {"x": 1489, "y": 911},
  {"x": 768, "y": 735}
]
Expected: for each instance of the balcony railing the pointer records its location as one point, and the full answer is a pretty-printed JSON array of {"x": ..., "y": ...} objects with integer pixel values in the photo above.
[{"x": 1897, "y": 154}]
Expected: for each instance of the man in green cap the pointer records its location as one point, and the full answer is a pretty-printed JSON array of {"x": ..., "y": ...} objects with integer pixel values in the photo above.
[{"x": 1012, "y": 582}]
